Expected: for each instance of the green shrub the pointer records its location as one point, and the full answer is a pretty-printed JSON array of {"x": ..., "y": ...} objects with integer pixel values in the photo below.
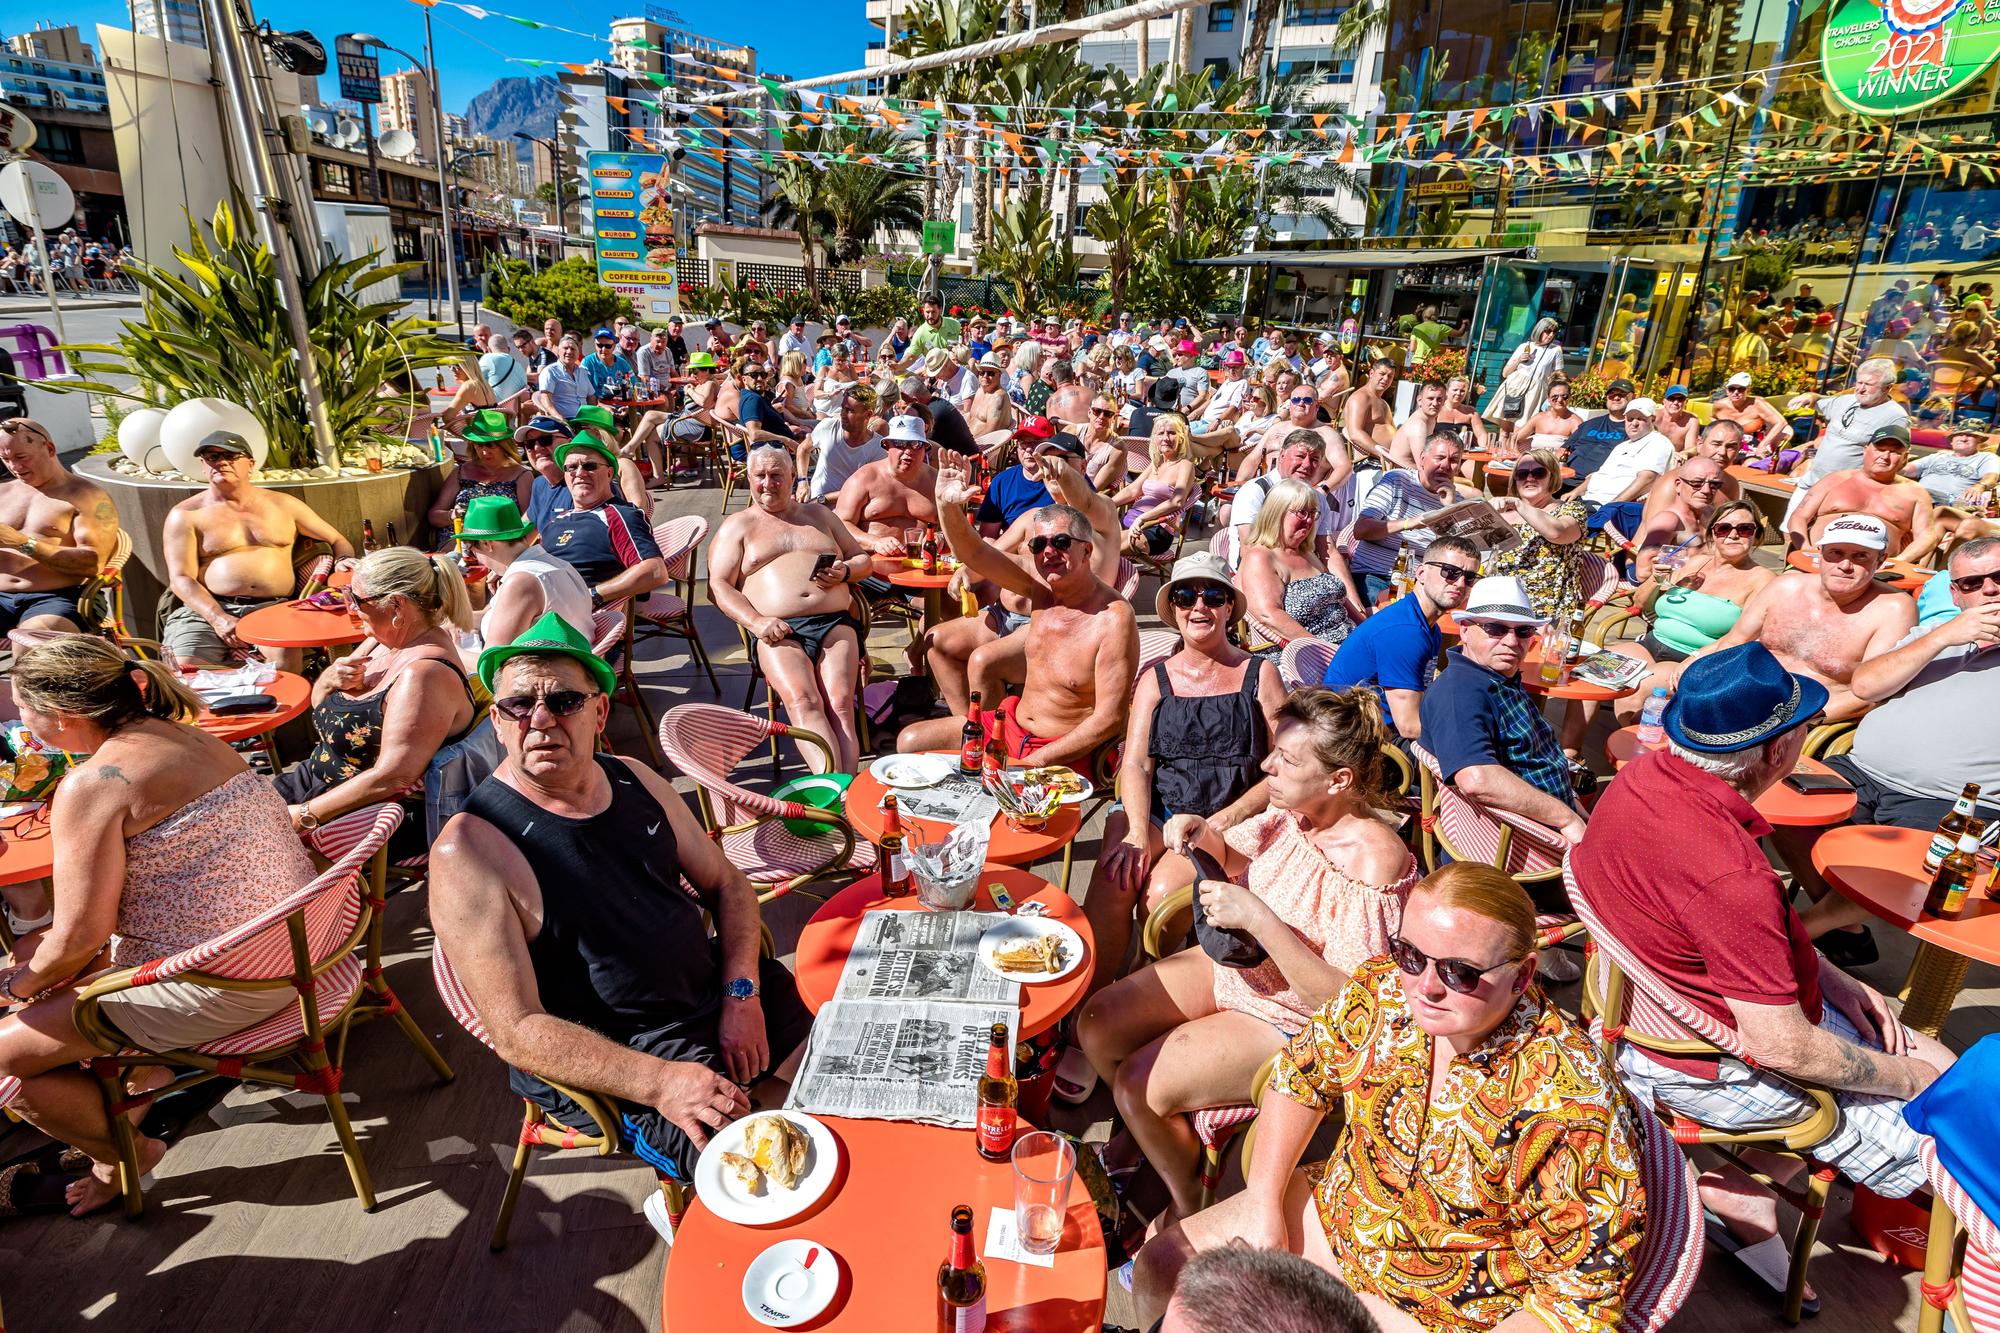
[
  {"x": 874, "y": 307},
  {"x": 568, "y": 291}
]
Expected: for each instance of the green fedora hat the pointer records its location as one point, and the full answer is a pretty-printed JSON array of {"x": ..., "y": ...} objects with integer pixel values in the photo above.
[
  {"x": 489, "y": 425},
  {"x": 551, "y": 636},
  {"x": 586, "y": 440},
  {"x": 494, "y": 518},
  {"x": 592, "y": 414},
  {"x": 703, "y": 361}
]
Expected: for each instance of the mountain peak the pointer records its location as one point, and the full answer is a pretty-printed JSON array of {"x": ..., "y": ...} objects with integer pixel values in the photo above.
[{"x": 515, "y": 104}]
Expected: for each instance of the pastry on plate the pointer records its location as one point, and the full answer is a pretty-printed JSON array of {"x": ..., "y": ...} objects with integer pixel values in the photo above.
[
  {"x": 747, "y": 1173},
  {"x": 1040, "y": 954},
  {"x": 779, "y": 1147}
]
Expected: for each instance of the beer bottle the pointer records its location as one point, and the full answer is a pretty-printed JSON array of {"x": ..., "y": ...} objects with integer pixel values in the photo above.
[
  {"x": 961, "y": 1280},
  {"x": 895, "y": 871},
  {"x": 367, "y": 536},
  {"x": 1950, "y": 827},
  {"x": 970, "y": 745},
  {"x": 993, "y": 1130},
  {"x": 1949, "y": 887},
  {"x": 1400, "y": 578},
  {"x": 930, "y": 550},
  {"x": 392, "y": 536},
  {"x": 994, "y": 762}
]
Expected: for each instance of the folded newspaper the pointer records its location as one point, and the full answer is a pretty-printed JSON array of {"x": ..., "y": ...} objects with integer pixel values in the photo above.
[
  {"x": 1476, "y": 521},
  {"x": 957, "y": 799},
  {"x": 1611, "y": 671},
  {"x": 906, "y": 1033}
]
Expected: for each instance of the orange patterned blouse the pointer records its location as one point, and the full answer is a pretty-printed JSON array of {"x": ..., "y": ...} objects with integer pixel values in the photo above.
[{"x": 1518, "y": 1187}]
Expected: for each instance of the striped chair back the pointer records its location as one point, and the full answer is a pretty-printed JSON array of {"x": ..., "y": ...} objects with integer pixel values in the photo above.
[
  {"x": 706, "y": 742},
  {"x": 679, "y": 540},
  {"x": 1475, "y": 832},
  {"x": 1128, "y": 579},
  {"x": 1978, "y": 1280},
  {"x": 1155, "y": 647},
  {"x": 452, "y": 991},
  {"x": 1597, "y": 577},
  {"x": 1222, "y": 544},
  {"x": 1304, "y": 662},
  {"x": 607, "y": 629},
  {"x": 1669, "y": 1256}
]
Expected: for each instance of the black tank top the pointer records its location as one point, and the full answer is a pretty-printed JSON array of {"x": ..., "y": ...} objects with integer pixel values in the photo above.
[
  {"x": 622, "y": 949},
  {"x": 1205, "y": 748}
]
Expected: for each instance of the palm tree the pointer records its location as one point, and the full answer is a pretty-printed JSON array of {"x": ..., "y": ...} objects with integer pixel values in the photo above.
[
  {"x": 859, "y": 201},
  {"x": 1127, "y": 222},
  {"x": 1024, "y": 253},
  {"x": 794, "y": 195},
  {"x": 1259, "y": 43}
]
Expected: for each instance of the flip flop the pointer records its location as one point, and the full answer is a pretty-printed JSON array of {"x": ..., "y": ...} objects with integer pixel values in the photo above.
[
  {"x": 27, "y": 1191},
  {"x": 1768, "y": 1259}
]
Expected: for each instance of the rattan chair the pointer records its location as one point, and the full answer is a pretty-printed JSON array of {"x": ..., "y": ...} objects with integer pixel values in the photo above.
[
  {"x": 101, "y": 599},
  {"x": 306, "y": 942},
  {"x": 672, "y": 613},
  {"x": 1961, "y": 1260},
  {"x": 1304, "y": 662},
  {"x": 1453, "y": 825},
  {"x": 1628, "y": 1003},
  {"x": 707, "y": 742},
  {"x": 611, "y": 639}
]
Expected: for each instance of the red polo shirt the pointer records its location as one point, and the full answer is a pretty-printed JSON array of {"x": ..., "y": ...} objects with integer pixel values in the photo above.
[{"x": 1672, "y": 865}]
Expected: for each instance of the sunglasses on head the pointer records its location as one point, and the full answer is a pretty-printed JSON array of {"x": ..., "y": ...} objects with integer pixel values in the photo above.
[
  {"x": 1531, "y": 472},
  {"x": 1974, "y": 582},
  {"x": 1062, "y": 541},
  {"x": 1451, "y": 573},
  {"x": 1499, "y": 631},
  {"x": 1456, "y": 974},
  {"x": 562, "y": 703},
  {"x": 1186, "y": 595},
  {"x": 1733, "y": 529}
]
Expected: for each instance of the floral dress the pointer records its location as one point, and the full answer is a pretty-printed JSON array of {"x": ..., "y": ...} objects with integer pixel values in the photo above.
[{"x": 1552, "y": 572}]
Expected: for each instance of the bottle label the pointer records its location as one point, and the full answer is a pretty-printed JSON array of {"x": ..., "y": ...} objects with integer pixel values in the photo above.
[
  {"x": 970, "y": 1318},
  {"x": 970, "y": 755},
  {"x": 995, "y": 1129},
  {"x": 899, "y": 870},
  {"x": 1940, "y": 848}
]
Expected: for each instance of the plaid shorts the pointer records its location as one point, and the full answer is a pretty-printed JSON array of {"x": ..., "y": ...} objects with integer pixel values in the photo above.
[{"x": 1872, "y": 1145}]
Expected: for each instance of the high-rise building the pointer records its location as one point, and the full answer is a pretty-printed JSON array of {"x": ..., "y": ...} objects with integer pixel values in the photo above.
[
  {"x": 406, "y": 105},
  {"x": 28, "y": 79},
  {"x": 492, "y": 163},
  {"x": 50, "y": 42},
  {"x": 175, "y": 20}
]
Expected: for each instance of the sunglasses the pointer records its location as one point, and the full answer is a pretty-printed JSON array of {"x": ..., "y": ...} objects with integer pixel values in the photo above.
[
  {"x": 1452, "y": 573},
  {"x": 1062, "y": 541},
  {"x": 589, "y": 466},
  {"x": 17, "y": 426},
  {"x": 1530, "y": 473},
  {"x": 1103, "y": 412},
  {"x": 1497, "y": 631},
  {"x": 1208, "y": 595},
  {"x": 1705, "y": 484},
  {"x": 1456, "y": 974},
  {"x": 1733, "y": 530},
  {"x": 216, "y": 457},
  {"x": 562, "y": 703},
  {"x": 1973, "y": 582},
  {"x": 364, "y": 601},
  {"x": 602, "y": 346},
  {"x": 1300, "y": 400}
]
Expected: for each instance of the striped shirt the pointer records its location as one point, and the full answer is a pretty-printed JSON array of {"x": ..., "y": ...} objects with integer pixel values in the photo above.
[{"x": 603, "y": 542}]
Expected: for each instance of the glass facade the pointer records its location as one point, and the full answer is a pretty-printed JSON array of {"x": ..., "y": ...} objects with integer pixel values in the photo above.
[{"x": 30, "y": 81}]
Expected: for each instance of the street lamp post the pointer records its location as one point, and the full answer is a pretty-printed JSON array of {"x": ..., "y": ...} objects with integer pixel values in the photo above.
[
  {"x": 429, "y": 66},
  {"x": 555, "y": 177}
]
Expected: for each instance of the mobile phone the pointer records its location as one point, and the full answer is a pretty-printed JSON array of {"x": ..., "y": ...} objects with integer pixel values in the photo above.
[
  {"x": 824, "y": 563},
  {"x": 1817, "y": 784}
]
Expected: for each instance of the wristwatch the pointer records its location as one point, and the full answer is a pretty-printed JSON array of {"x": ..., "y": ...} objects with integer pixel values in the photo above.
[
  {"x": 26, "y": 547},
  {"x": 741, "y": 988}
]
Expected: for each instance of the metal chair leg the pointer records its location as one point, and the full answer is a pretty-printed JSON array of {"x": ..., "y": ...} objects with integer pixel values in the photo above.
[{"x": 1940, "y": 1264}]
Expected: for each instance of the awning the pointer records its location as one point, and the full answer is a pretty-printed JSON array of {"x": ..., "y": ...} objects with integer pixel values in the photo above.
[{"x": 1352, "y": 258}]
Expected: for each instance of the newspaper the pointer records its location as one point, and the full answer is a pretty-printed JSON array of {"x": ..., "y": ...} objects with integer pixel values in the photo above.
[
  {"x": 1612, "y": 671},
  {"x": 898, "y": 1060},
  {"x": 1476, "y": 521},
  {"x": 924, "y": 956},
  {"x": 958, "y": 799}
]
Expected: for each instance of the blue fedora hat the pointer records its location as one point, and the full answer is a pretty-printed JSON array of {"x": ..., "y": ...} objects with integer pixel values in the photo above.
[{"x": 1737, "y": 698}]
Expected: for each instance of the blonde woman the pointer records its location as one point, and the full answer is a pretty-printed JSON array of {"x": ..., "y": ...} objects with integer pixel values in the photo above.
[
  {"x": 1128, "y": 382},
  {"x": 1549, "y": 559},
  {"x": 791, "y": 397},
  {"x": 1291, "y": 594},
  {"x": 382, "y": 712},
  {"x": 1459, "y": 416},
  {"x": 1156, "y": 501},
  {"x": 1103, "y": 446},
  {"x": 470, "y": 392},
  {"x": 1024, "y": 372},
  {"x": 163, "y": 839}
]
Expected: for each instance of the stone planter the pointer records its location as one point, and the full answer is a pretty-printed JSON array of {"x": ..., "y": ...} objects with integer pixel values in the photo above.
[{"x": 400, "y": 497}]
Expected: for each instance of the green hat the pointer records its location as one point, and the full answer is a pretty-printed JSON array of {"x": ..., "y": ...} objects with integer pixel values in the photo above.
[
  {"x": 494, "y": 518},
  {"x": 594, "y": 415},
  {"x": 551, "y": 636},
  {"x": 702, "y": 361},
  {"x": 586, "y": 441},
  {"x": 489, "y": 425}
]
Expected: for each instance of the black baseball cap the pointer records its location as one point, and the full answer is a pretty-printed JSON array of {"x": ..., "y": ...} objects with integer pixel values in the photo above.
[
  {"x": 1620, "y": 386},
  {"x": 1062, "y": 442}
]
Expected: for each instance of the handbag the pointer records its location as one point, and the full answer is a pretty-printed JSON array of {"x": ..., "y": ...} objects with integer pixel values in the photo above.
[
  {"x": 456, "y": 770},
  {"x": 1514, "y": 391},
  {"x": 1228, "y": 948}
]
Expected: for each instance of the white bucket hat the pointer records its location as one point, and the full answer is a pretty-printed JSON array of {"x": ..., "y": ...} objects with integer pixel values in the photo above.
[{"x": 908, "y": 429}]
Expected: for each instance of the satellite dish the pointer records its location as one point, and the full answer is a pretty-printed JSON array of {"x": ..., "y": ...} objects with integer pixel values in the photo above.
[
  {"x": 398, "y": 143},
  {"x": 320, "y": 123},
  {"x": 348, "y": 132},
  {"x": 35, "y": 196}
]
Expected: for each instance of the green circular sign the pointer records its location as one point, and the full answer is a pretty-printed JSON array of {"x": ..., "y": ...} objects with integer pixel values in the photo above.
[{"x": 1891, "y": 57}]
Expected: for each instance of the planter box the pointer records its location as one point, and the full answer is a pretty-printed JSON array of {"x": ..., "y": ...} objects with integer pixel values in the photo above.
[{"x": 402, "y": 498}]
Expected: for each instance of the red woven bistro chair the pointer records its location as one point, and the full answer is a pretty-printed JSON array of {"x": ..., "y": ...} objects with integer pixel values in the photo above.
[
  {"x": 672, "y": 613},
  {"x": 1304, "y": 662},
  {"x": 1464, "y": 830},
  {"x": 1670, "y": 1253},
  {"x": 1961, "y": 1261},
  {"x": 611, "y": 639},
  {"x": 306, "y": 942},
  {"x": 1627, "y": 1002},
  {"x": 707, "y": 742}
]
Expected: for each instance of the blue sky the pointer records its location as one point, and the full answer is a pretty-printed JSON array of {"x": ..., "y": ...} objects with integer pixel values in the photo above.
[{"x": 792, "y": 37}]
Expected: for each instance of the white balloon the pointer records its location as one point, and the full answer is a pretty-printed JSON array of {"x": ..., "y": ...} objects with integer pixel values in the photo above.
[
  {"x": 139, "y": 433},
  {"x": 192, "y": 421}
]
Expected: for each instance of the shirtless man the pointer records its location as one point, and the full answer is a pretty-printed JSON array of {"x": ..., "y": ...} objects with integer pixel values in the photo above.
[
  {"x": 1080, "y": 645},
  {"x": 952, "y": 648},
  {"x": 1366, "y": 420},
  {"x": 1827, "y": 623},
  {"x": 1676, "y": 422},
  {"x": 1696, "y": 485},
  {"x": 56, "y": 532},
  {"x": 888, "y": 496},
  {"x": 1763, "y": 426},
  {"x": 780, "y": 569},
  {"x": 990, "y": 412},
  {"x": 1876, "y": 487},
  {"x": 1069, "y": 405},
  {"x": 1418, "y": 427},
  {"x": 228, "y": 551},
  {"x": 1555, "y": 419},
  {"x": 1718, "y": 442}
]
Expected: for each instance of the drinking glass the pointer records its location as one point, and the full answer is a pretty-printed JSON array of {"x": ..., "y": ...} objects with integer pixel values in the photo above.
[
  {"x": 1044, "y": 1164},
  {"x": 913, "y": 541}
]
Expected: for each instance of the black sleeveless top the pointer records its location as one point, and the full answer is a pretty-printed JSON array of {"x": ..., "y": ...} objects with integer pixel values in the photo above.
[
  {"x": 1205, "y": 749},
  {"x": 622, "y": 949}
]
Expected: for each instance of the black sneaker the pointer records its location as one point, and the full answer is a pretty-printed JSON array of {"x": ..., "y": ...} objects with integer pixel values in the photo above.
[{"x": 1849, "y": 948}]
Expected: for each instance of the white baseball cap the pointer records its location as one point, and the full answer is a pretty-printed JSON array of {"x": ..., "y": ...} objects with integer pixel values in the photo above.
[
  {"x": 1740, "y": 380},
  {"x": 1645, "y": 407},
  {"x": 1863, "y": 530},
  {"x": 909, "y": 429}
]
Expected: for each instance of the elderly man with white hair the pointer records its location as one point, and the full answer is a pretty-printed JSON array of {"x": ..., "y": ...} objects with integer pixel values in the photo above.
[{"x": 1850, "y": 420}]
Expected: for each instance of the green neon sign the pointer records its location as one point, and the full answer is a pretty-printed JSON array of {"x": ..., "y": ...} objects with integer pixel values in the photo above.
[{"x": 1892, "y": 57}]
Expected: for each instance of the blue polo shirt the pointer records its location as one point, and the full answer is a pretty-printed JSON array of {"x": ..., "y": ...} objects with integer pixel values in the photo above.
[
  {"x": 601, "y": 543},
  {"x": 1394, "y": 649},
  {"x": 601, "y": 375},
  {"x": 1475, "y": 716},
  {"x": 1011, "y": 495},
  {"x": 752, "y": 405}
]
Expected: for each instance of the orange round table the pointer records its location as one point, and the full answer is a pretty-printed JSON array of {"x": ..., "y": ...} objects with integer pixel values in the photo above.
[
  {"x": 1881, "y": 868},
  {"x": 1007, "y": 845},
  {"x": 1905, "y": 577},
  {"x": 1531, "y": 677},
  {"x": 885, "y": 1220},
  {"x": 827, "y": 938},
  {"x": 294, "y": 695},
  {"x": 26, "y": 849},
  {"x": 908, "y": 573},
  {"x": 296, "y": 625},
  {"x": 1779, "y": 805},
  {"x": 1756, "y": 476}
]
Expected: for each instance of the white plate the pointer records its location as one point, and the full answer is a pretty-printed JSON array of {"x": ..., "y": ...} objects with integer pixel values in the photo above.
[
  {"x": 1078, "y": 798},
  {"x": 913, "y": 770},
  {"x": 1015, "y": 929},
  {"x": 720, "y": 1193},
  {"x": 780, "y": 1291}
]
